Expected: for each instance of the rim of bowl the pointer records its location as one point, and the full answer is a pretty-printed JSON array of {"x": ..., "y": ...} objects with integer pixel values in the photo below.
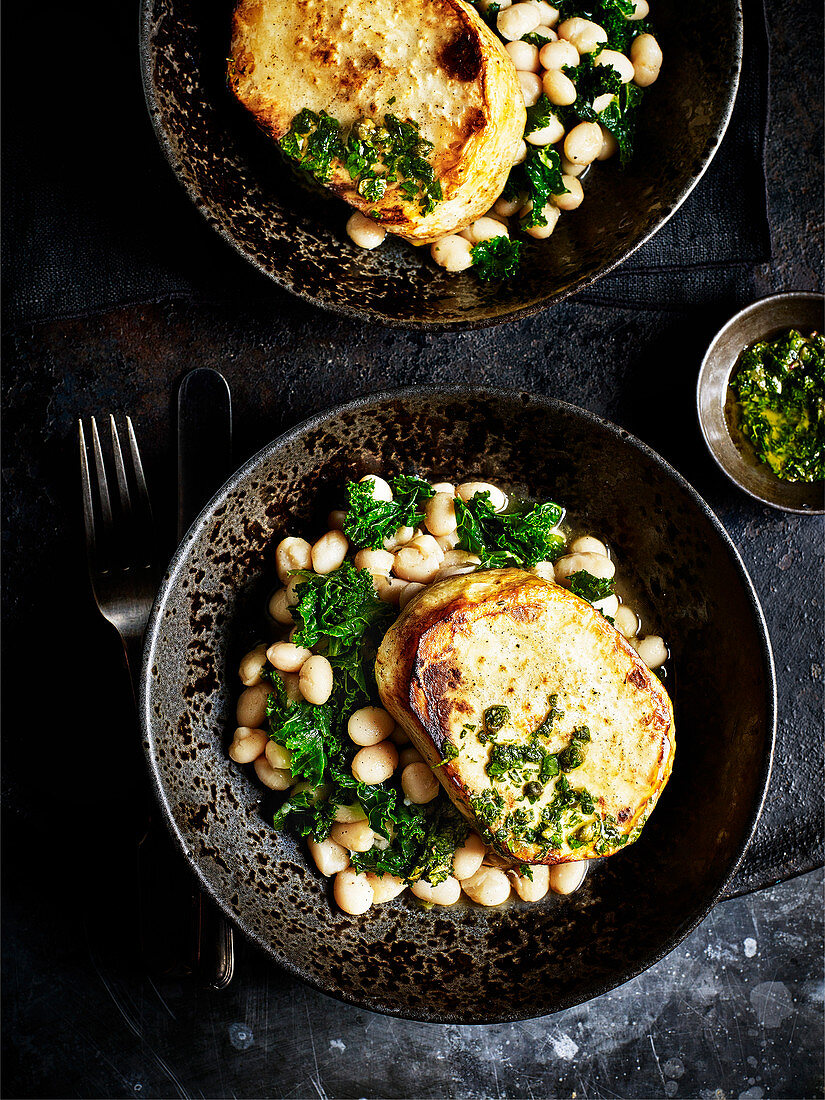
[
  {"x": 762, "y": 305},
  {"x": 317, "y": 420},
  {"x": 212, "y": 213}
]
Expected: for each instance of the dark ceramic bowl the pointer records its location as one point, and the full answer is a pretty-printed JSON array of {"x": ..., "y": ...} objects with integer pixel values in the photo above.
[
  {"x": 237, "y": 178},
  {"x": 464, "y": 964},
  {"x": 716, "y": 404}
]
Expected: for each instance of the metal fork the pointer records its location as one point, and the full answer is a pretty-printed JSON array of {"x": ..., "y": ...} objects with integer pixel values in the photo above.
[{"x": 119, "y": 539}]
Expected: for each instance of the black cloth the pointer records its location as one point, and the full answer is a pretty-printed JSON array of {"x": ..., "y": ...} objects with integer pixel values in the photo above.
[{"x": 93, "y": 218}]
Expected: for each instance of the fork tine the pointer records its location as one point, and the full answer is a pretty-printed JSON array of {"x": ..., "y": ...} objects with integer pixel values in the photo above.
[
  {"x": 102, "y": 483},
  {"x": 140, "y": 480},
  {"x": 120, "y": 470},
  {"x": 86, "y": 489}
]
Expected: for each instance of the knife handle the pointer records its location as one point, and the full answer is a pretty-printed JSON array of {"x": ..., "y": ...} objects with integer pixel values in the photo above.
[{"x": 204, "y": 463}]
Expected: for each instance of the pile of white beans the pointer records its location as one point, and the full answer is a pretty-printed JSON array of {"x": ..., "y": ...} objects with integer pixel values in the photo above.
[
  {"x": 540, "y": 73},
  {"x": 409, "y": 561}
]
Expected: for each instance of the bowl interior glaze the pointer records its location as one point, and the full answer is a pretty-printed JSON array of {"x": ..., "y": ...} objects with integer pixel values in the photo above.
[
  {"x": 465, "y": 964},
  {"x": 238, "y": 180}
]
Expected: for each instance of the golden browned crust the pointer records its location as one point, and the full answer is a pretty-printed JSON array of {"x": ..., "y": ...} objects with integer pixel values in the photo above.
[
  {"x": 447, "y": 657},
  {"x": 435, "y": 59}
]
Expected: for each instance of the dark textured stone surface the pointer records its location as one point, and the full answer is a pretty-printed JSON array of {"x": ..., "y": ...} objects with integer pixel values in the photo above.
[{"x": 82, "y": 1019}]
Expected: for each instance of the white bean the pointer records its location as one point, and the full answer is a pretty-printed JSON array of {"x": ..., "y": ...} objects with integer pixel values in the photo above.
[
  {"x": 646, "y": 56},
  {"x": 571, "y": 169},
  {"x": 252, "y": 665},
  {"x": 507, "y": 208},
  {"x": 618, "y": 62},
  {"x": 411, "y": 589},
  {"x": 357, "y": 836},
  {"x": 609, "y": 145},
  {"x": 555, "y": 55},
  {"x": 399, "y": 736},
  {"x": 484, "y": 229},
  {"x": 546, "y": 135},
  {"x": 352, "y": 892},
  {"x": 468, "y": 489},
  {"x": 653, "y": 651},
  {"x": 550, "y": 213},
  {"x": 291, "y": 554},
  {"x": 585, "y": 35},
  {"x": 587, "y": 544},
  {"x": 401, "y": 537},
  {"x": 287, "y": 657},
  {"x": 389, "y": 589},
  {"x": 374, "y": 561},
  {"x": 517, "y": 20},
  {"x": 251, "y": 708},
  {"x": 544, "y": 35},
  {"x": 247, "y": 744},
  {"x": 330, "y": 858},
  {"x": 545, "y": 570},
  {"x": 291, "y": 682},
  {"x": 521, "y": 153},
  {"x": 335, "y": 519},
  {"x": 572, "y": 199},
  {"x": 364, "y": 231},
  {"x": 567, "y": 877},
  {"x": 427, "y": 545},
  {"x": 583, "y": 143},
  {"x": 627, "y": 621},
  {"x": 419, "y": 784},
  {"x": 608, "y": 606},
  {"x": 278, "y": 607},
  {"x": 559, "y": 89},
  {"x": 409, "y": 755},
  {"x": 440, "y": 514},
  {"x": 597, "y": 565},
  {"x": 602, "y": 102},
  {"x": 445, "y": 893},
  {"x": 315, "y": 680},
  {"x": 443, "y": 487},
  {"x": 531, "y": 88},
  {"x": 329, "y": 552},
  {"x": 467, "y": 859},
  {"x": 278, "y": 756},
  {"x": 375, "y": 763},
  {"x": 370, "y": 725},
  {"x": 385, "y": 887},
  {"x": 452, "y": 253},
  {"x": 412, "y": 563},
  {"x": 532, "y": 889},
  {"x": 641, "y": 10},
  {"x": 380, "y": 489},
  {"x": 448, "y": 542},
  {"x": 524, "y": 56},
  {"x": 548, "y": 15},
  {"x": 346, "y": 814},
  {"x": 277, "y": 779},
  {"x": 488, "y": 886}
]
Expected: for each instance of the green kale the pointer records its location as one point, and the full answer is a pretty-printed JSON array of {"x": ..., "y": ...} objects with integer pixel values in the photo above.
[
  {"x": 613, "y": 15},
  {"x": 311, "y": 816},
  {"x": 620, "y": 119},
  {"x": 369, "y": 521},
  {"x": 306, "y": 730},
  {"x": 590, "y": 588},
  {"x": 540, "y": 175},
  {"x": 522, "y": 537},
  {"x": 337, "y": 608},
  {"x": 591, "y": 81},
  {"x": 496, "y": 258},
  {"x": 449, "y": 752},
  {"x": 540, "y": 115},
  {"x": 446, "y": 830}
]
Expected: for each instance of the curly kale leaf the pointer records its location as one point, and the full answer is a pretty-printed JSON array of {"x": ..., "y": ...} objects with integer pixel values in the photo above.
[
  {"x": 539, "y": 176},
  {"x": 496, "y": 258},
  {"x": 590, "y": 588},
  {"x": 337, "y": 608},
  {"x": 620, "y": 119},
  {"x": 522, "y": 538},
  {"x": 591, "y": 81},
  {"x": 613, "y": 15},
  {"x": 369, "y": 521}
]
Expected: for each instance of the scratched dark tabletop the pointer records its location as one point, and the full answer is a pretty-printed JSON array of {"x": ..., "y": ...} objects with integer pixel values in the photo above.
[{"x": 734, "y": 1011}]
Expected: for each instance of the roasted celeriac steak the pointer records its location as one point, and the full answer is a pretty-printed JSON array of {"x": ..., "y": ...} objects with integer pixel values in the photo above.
[
  {"x": 430, "y": 62},
  {"x": 541, "y": 721}
]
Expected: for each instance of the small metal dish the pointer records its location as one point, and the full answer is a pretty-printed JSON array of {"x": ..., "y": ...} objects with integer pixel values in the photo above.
[{"x": 715, "y": 403}]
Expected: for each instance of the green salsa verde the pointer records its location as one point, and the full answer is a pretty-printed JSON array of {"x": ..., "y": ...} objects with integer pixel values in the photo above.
[{"x": 779, "y": 386}]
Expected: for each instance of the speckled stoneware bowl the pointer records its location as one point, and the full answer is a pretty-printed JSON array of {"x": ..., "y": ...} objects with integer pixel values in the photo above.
[
  {"x": 237, "y": 178},
  {"x": 716, "y": 403},
  {"x": 465, "y": 963}
]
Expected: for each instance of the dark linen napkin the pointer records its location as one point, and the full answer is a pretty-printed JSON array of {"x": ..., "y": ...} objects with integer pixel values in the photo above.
[{"x": 94, "y": 219}]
